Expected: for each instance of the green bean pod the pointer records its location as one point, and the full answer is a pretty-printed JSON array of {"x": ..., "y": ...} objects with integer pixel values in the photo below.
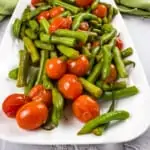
[
  {"x": 127, "y": 52},
  {"x": 34, "y": 25},
  {"x": 22, "y": 30},
  {"x": 86, "y": 52},
  {"x": 45, "y": 25},
  {"x": 47, "y": 83},
  {"x": 129, "y": 62},
  {"x": 25, "y": 13},
  {"x": 107, "y": 28},
  {"x": 13, "y": 74},
  {"x": 110, "y": 13},
  {"x": 105, "y": 20},
  {"x": 31, "y": 34},
  {"x": 105, "y": 118},
  {"x": 44, "y": 37},
  {"x": 53, "y": 54},
  {"x": 17, "y": 27}
]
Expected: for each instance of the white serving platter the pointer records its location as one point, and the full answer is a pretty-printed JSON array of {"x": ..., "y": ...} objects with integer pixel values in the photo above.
[{"x": 138, "y": 106}]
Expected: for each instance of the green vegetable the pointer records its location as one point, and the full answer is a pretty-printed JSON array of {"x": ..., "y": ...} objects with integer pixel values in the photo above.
[
  {"x": 23, "y": 68},
  {"x": 22, "y": 30},
  {"x": 45, "y": 25},
  {"x": 105, "y": 118},
  {"x": 17, "y": 27},
  {"x": 44, "y": 37},
  {"x": 110, "y": 13},
  {"x": 53, "y": 54},
  {"x": 34, "y": 25},
  {"x": 129, "y": 62},
  {"x": 13, "y": 74},
  {"x": 91, "y": 88},
  {"x": 47, "y": 82},
  {"x": 31, "y": 34},
  {"x": 107, "y": 28},
  {"x": 86, "y": 52},
  {"x": 25, "y": 13},
  {"x": 127, "y": 52}
]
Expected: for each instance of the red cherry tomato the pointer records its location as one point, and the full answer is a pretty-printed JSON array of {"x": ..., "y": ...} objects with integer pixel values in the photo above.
[
  {"x": 85, "y": 108},
  {"x": 13, "y": 102},
  {"x": 32, "y": 115},
  {"x": 119, "y": 43},
  {"x": 60, "y": 23},
  {"x": 55, "y": 68},
  {"x": 79, "y": 66},
  {"x": 34, "y": 2},
  {"x": 84, "y": 26},
  {"x": 83, "y": 3},
  {"x": 40, "y": 94},
  {"x": 55, "y": 11},
  {"x": 100, "y": 11},
  {"x": 70, "y": 86},
  {"x": 95, "y": 44},
  {"x": 44, "y": 14}
]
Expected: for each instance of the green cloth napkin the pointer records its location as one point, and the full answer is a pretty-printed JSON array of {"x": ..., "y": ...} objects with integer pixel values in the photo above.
[{"x": 6, "y": 8}]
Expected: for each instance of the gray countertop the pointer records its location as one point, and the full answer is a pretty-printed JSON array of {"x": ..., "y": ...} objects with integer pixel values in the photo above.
[{"x": 139, "y": 30}]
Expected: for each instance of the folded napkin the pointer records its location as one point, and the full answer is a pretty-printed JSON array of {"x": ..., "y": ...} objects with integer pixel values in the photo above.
[{"x": 6, "y": 8}]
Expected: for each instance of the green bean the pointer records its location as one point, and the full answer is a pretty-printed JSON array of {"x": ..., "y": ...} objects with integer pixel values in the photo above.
[
  {"x": 31, "y": 81},
  {"x": 47, "y": 83},
  {"x": 107, "y": 56},
  {"x": 17, "y": 27},
  {"x": 53, "y": 54},
  {"x": 119, "y": 63},
  {"x": 91, "y": 88},
  {"x": 94, "y": 4},
  {"x": 44, "y": 57},
  {"x": 23, "y": 68},
  {"x": 95, "y": 24},
  {"x": 68, "y": 41},
  {"x": 58, "y": 104},
  {"x": 110, "y": 13},
  {"x": 90, "y": 34},
  {"x": 105, "y": 38},
  {"x": 86, "y": 52},
  {"x": 81, "y": 36},
  {"x": 115, "y": 11},
  {"x": 122, "y": 93},
  {"x": 25, "y": 13},
  {"x": 67, "y": 51},
  {"x": 34, "y": 25},
  {"x": 45, "y": 37},
  {"x": 31, "y": 34},
  {"x": 43, "y": 45},
  {"x": 70, "y": 1},
  {"x": 129, "y": 62},
  {"x": 13, "y": 74},
  {"x": 107, "y": 28},
  {"x": 72, "y": 8},
  {"x": 95, "y": 73},
  {"x": 45, "y": 25},
  {"x": 127, "y": 52},
  {"x": 31, "y": 49},
  {"x": 40, "y": 4},
  {"x": 83, "y": 16},
  {"x": 105, "y": 118},
  {"x": 97, "y": 31},
  {"x": 105, "y": 20}
]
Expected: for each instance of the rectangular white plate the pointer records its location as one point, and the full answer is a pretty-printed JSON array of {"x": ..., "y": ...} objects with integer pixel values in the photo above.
[{"x": 138, "y": 106}]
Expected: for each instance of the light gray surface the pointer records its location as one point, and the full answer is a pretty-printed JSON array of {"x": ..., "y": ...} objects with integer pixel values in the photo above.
[{"x": 139, "y": 30}]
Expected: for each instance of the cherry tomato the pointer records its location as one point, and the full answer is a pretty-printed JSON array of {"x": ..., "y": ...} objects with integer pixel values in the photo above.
[
  {"x": 95, "y": 44},
  {"x": 34, "y": 2},
  {"x": 40, "y": 94},
  {"x": 119, "y": 43},
  {"x": 32, "y": 115},
  {"x": 79, "y": 66},
  {"x": 113, "y": 74},
  {"x": 84, "y": 26},
  {"x": 55, "y": 11},
  {"x": 44, "y": 14},
  {"x": 100, "y": 11},
  {"x": 55, "y": 68},
  {"x": 60, "y": 23},
  {"x": 83, "y": 3},
  {"x": 13, "y": 102},
  {"x": 85, "y": 108},
  {"x": 70, "y": 86}
]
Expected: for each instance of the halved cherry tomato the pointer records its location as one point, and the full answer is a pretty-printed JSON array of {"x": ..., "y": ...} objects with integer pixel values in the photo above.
[
  {"x": 95, "y": 44},
  {"x": 32, "y": 115},
  {"x": 60, "y": 23},
  {"x": 13, "y": 102},
  {"x": 100, "y": 11},
  {"x": 85, "y": 108},
  {"x": 83, "y": 3},
  {"x": 79, "y": 66},
  {"x": 34, "y": 2},
  {"x": 113, "y": 74},
  {"x": 44, "y": 14},
  {"x": 55, "y": 11},
  {"x": 70, "y": 86},
  {"x": 55, "y": 68},
  {"x": 119, "y": 43},
  {"x": 84, "y": 26},
  {"x": 40, "y": 94}
]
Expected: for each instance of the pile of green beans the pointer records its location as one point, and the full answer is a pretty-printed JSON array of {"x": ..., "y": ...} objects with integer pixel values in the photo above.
[{"x": 40, "y": 45}]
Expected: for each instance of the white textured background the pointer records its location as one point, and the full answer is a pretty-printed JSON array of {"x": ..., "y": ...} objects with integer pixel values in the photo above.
[{"x": 139, "y": 30}]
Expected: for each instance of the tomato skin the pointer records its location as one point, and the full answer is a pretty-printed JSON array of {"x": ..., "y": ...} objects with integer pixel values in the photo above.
[
  {"x": 55, "y": 68},
  {"x": 84, "y": 26},
  {"x": 60, "y": 23},
  {"x": 13, "y": 102},
  {"x": 40, "y": 94},
  {"x": 83, "y": 3},
  {"x": 42, "y": 15},
  {"x": 32, "y": 115},
  {"x": 34, "y": 2},
  {"x": 79, "y": 66},
  {"x": 113, "y": 74},
  {"x": 55, "y": 11},
  {"x": 119, "y": 43},
  {"x": 85, "y": 108},
  {"x": 100, "y": 11},
  {"x": 70, "y": 86}
]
